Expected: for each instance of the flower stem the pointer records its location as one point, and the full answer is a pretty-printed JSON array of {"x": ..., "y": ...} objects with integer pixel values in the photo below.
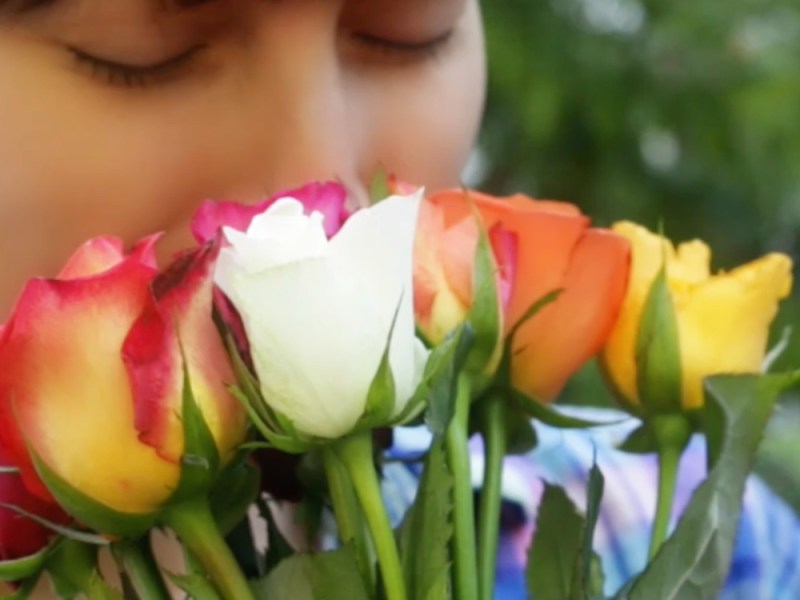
[
  {"x": 493, "y": 429},
  {"x": 672, "y": 433},
  {"x": 136, "y": 558},
  {"x": 349, "y": 520},
  {"x": 355, "y": 452},
  {"x": 194, "y": 524},
  {"x": 464, "y": 545}
]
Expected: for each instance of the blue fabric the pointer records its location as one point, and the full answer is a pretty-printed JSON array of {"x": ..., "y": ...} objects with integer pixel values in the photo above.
[{"x": 766, "y": 560}]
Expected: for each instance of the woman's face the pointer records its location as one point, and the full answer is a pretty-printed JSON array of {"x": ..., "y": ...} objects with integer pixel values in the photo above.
[{"x": 118, "y": 117}]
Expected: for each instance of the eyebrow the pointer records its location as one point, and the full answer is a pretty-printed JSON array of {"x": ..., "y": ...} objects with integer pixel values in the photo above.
[{"x": 26, "y": 5}]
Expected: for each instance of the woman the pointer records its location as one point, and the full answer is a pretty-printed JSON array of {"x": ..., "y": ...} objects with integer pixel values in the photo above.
[{"x": 120, "y": 117}]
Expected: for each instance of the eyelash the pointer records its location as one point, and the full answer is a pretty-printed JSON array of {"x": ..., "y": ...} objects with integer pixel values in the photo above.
[
  {"x": 130, "y": 76},
  {"x": 125, "y": 75},
  {"x": 411, "y": 51}
]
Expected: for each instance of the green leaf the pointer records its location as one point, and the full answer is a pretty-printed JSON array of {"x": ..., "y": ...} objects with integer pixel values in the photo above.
[
  {"x": 138, "y": 570},
  {"x": 486, "y": 314},
  {"x": 196, "y": 586},
  {"x": 98, "y": 589},
  {"x": 195, "y": 582},
  {"x": 520, "y": 433},
  {"x": 658, "y": 359},
  {"x": 200, "y": 459},
  {"x": 588, "y": 572},
  {"x": 548, "y": 415},
  {"x": 22, "y": 568},
  {"x": 556, "y": 544},
  {"x": 435, "y": 389},
  {"x": 694, "y": 560},
  {"x": 427, "y": 529},
  {"x": 326, "y": 576},
  {"x": 236, "y": 488},
  {"x": 73, "y": 570},
  {"x": 441, "y": 376},
  {"x": 94, "y": 514},
  {"x": 290, "y": 580},
  {"x": 642, "y": 440}
]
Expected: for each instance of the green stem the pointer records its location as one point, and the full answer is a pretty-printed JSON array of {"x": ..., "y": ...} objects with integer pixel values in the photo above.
[
  {"x": 349, "y": 520},
  {"x": 495, "y": 439},
  {"x": 136, "y": 558},
  {"x": 672, "y": 433},
  {"x": 464, "y": 545},
  {"x": 356, "y": 454},
  {"x": 194, "y": 524}
]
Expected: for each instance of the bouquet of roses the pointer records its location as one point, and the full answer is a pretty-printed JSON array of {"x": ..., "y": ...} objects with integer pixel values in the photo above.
[{"x": 134, "y": 398}]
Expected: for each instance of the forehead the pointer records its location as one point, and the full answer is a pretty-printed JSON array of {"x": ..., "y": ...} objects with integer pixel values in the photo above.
[{"x": 30, "y": 4}]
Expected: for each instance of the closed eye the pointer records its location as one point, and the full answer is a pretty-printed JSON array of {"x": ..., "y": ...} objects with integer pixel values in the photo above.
[
  {"x": 135, "y": 75},
  {"x": 403, "y": 48}
]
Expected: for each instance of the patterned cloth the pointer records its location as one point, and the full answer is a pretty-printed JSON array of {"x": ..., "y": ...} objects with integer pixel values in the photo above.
[{"x": 766, "y": 561}]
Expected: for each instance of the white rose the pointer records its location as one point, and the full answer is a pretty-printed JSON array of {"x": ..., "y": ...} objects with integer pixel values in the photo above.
[{"x": 318, "y": 312}]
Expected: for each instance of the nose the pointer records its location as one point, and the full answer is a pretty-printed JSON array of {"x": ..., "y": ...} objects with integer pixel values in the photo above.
[{"x": 300, "y": 115}]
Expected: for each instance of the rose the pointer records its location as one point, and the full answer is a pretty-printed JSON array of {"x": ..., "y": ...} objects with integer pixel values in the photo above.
[
  {"x": 539, "y": 247},
  {"x": 722, "y": 321},
  {"x": 443, "y": 268},
  {"x": 327, "y": 198},
  {"x": 21, "y": 536},
  {"x": 319, "y": 313},
  {"x": 93, "y": 377}
]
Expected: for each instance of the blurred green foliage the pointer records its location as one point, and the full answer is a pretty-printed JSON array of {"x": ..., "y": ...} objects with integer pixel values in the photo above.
[{"x": 685, "y": 113}]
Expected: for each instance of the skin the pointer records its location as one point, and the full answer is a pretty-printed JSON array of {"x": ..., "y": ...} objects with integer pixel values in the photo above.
[{"x": 279, "y": 92}]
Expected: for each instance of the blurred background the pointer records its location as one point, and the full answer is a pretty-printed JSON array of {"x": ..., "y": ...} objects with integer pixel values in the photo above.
[{"x": 684, "y": 113}]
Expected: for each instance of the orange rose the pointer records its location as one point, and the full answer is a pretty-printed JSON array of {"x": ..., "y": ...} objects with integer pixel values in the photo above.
[{"x": 539, "y": 247}]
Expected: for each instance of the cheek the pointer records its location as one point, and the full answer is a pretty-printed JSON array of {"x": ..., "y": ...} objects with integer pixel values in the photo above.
[
  {"x": 427, "y": 121},
  {"x": 74, "y": 164}
]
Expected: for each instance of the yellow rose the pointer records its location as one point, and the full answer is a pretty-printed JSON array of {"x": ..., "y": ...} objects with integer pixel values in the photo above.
[{"x": 722, "y": 320}]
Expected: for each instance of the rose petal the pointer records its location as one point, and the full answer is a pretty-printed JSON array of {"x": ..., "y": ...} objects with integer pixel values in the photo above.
[
  {"x": 177, "y": 317},
  {"x": 64, "y": 389},
  {"x": 95, "y": 256},
  {"x": 566, "y": 333},
  {"x": 327, "y": 198}
]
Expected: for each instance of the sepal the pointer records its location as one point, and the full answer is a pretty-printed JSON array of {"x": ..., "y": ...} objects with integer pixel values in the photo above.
[
  {"x": 69, "y": 533},
  {"x": 641, "y": 440},
  {"x": 658, "y": 355},
  {"x": 486, "y": 313},
  {"x": 382, "y": 394},
  {"x": 200, "y": 460},
  {"x": 380, "y": 185},
  {"x": 22, "y": 568},
  {"x": 95, "y": 514},
  {"x": 277, "y": 429},
  {"x": 504, "y": 374},
  {"x": 74, "y": 572},
  {"x": 437, "y": 389},
  {"x": 548, "y": 415}
]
